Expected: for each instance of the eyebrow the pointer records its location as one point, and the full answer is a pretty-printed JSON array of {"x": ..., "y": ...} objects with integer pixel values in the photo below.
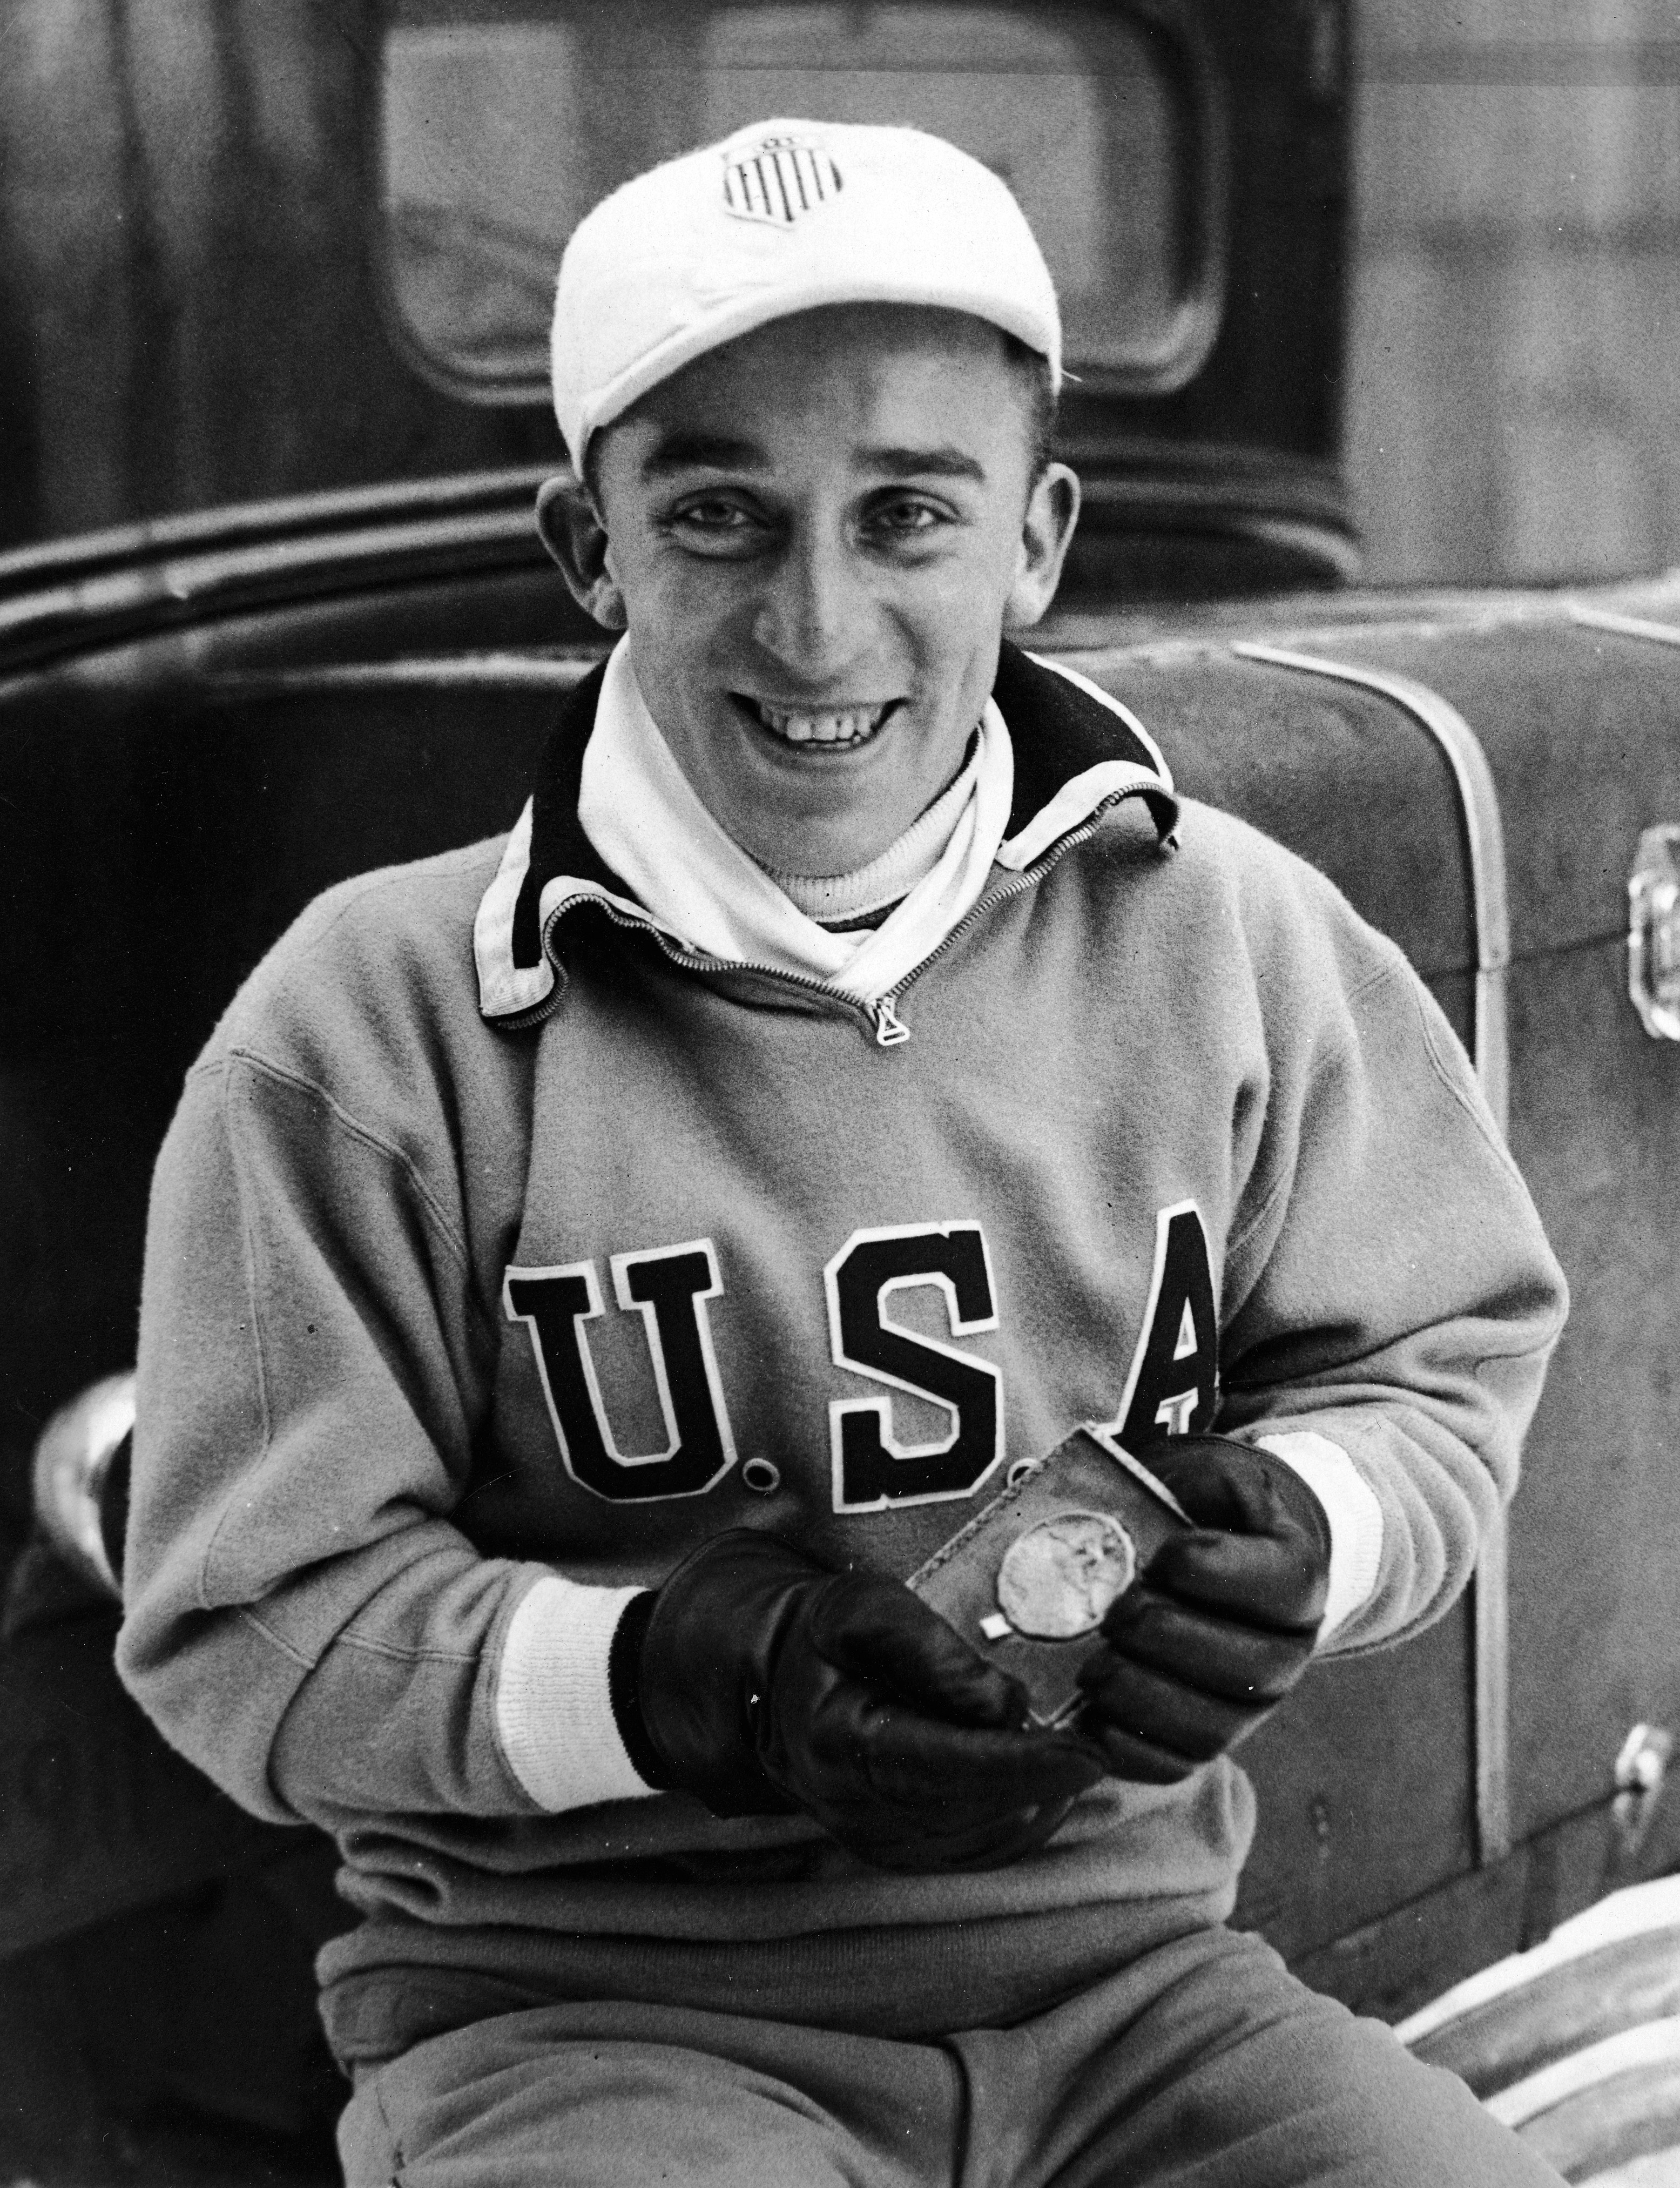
[
  {"x": 680, "y": 452},
  {"x": 925, "y": 463}
]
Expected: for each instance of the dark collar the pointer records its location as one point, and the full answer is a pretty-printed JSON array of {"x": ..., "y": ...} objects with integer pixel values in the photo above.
[{"x": 558, "y": 843}]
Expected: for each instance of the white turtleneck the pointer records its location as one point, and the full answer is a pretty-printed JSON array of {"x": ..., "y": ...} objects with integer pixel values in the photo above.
[
  {"x": 836, "y": 900},
  {"x": 649, "y": 824}
]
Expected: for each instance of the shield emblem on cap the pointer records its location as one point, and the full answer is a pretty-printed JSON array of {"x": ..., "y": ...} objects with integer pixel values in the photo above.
[{"x": 780, "y": 179}]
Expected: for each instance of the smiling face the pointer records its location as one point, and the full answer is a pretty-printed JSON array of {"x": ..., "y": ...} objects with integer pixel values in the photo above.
[{"x": 815, "y": 536}]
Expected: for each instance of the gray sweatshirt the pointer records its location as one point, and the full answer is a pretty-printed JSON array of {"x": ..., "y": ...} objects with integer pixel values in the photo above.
[{"x": 442, "y": 1309}]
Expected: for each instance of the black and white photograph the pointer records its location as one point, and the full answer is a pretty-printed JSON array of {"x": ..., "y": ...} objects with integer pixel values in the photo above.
[{"x": 839, "y": 1093}]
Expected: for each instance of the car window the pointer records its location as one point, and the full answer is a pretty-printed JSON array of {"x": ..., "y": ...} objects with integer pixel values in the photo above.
[
  {"x": 1509, "y": 394},
  {"x": 1513, "y": 406},
  {"x": 500, "y": 128}
]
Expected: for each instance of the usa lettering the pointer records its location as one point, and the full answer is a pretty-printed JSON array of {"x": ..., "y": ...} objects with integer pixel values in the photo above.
[
  {"x": 1171, "y": 1388},
  {"x": 668, "y": 1288},
  {"x": 871, "y": 1467}
]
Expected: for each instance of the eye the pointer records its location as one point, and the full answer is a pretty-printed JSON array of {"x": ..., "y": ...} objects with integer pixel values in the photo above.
[
  {"x": 714, "y": 514},
  {"x": 907, "y": 517},
  {"x": 715, "y": 523}
]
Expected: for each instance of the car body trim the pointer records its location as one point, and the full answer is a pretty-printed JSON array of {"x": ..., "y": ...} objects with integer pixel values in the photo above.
[
  {"x": 1484, "y": 845},
  {"x": 1651, "y": 2051},
  {"x": 1535, "y": 1982},
  {"x": 1623, "y": 626}
]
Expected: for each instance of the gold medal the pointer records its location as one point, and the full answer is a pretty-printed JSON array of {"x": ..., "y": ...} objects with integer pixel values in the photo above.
[{"x": 1058, "y": 1579}]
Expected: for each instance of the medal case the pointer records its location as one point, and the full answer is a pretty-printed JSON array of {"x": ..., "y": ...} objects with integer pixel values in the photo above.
[{"x": 1028, "y": 1580}]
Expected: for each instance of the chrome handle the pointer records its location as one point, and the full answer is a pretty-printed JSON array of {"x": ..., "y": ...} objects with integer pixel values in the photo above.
[
  {"x": 1653, "y": 933},
  {"x": 1640, "y": 1770}
]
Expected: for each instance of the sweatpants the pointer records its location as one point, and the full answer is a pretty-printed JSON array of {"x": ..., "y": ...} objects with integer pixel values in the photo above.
[{"x": 1203, "y": 2064}]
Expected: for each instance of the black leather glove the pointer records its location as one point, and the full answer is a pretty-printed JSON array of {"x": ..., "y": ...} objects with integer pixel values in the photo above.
[
  {"x": 1220, "y": 1625},
  {"x": 764, "y": 1683}
]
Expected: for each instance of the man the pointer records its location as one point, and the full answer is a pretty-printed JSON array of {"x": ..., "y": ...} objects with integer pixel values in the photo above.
[{"x": 589, "y": 1272}]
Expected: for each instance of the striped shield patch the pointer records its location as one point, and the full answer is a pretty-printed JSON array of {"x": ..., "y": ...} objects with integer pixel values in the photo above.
[{"x": 779, "y": 179}]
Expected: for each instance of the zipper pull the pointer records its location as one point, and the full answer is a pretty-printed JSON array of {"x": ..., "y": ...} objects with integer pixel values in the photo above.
[{"x": 890, "y": 1029}]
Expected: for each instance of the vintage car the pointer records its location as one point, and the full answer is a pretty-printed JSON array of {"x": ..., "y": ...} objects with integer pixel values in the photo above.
[{"x": 206, "y": 718}]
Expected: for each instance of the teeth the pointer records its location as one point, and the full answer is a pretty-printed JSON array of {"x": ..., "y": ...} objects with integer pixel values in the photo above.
[{"x": 851, "y": 727}]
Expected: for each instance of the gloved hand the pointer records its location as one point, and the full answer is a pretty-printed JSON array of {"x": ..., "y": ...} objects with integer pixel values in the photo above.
[
  {"x": 765, "y": 1683},
  {"x": 1219, "y": 1626}
]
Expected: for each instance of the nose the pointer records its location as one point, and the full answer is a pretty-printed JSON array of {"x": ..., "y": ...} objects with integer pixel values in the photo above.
[{"x": 812, "y": 616}]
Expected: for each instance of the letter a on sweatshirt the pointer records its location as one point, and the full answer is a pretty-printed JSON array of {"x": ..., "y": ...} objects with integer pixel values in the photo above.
[{"x": 1172, "y": 1388}]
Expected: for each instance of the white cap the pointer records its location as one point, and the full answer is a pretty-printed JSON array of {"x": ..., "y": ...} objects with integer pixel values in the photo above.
[{"x": 780, "y": 217}]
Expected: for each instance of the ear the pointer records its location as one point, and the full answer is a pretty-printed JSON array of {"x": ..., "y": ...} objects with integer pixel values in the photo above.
[
  {"x": 572, "y": 530},
  {"x": 1047, "y": 529}
]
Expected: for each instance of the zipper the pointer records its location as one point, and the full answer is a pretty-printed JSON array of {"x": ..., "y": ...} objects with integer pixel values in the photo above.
[
  {"x": 692, "y": 963},
  {"x": 890, "y": 1029},
  {"x": 882, "y": 1016}
]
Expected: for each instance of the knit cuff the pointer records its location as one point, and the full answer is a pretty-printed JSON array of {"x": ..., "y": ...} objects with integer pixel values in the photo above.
[
  {"x": 1356, "y": 1520},
  {"x": 553, "y": 1696}
]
